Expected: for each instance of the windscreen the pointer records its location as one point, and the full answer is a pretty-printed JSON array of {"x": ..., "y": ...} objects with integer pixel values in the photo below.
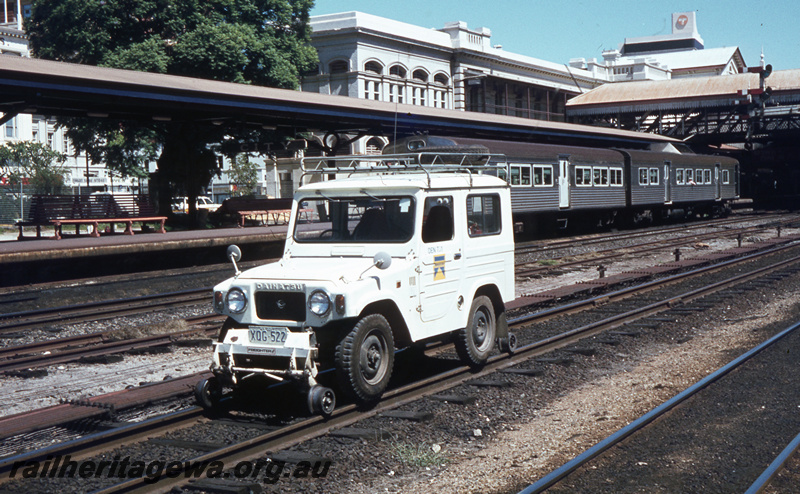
[{"x": 355, "y": 219}]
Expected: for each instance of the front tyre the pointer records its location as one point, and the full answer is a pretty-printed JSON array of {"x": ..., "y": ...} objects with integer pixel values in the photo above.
[
  {"x": 365, "y": 357},
  {"x": 474, "y": 343}
]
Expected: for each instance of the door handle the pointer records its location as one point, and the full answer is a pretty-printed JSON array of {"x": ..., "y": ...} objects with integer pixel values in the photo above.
[{"x": 456, "y": 257}]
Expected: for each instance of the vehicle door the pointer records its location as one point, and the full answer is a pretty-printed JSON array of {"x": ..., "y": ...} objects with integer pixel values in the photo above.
[
  {"x": 667, "y": 182},
  {"x": 563, "y": 182},
  {"x": 440, "y": 259},
  {"x": 717, "y": 183}
]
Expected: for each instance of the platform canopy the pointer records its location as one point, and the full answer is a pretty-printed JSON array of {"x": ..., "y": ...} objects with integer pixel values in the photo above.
[
  {"x": 61, "y": 89},
  {"x": 712, "y": 110}
]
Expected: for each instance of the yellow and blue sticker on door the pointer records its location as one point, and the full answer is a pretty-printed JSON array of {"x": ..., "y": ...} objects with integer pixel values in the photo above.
[{"x": 438, "y": 268}]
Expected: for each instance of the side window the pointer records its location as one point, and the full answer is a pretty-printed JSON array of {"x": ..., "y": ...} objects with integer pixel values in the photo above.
[
  {"x": 615, "y": 177},
  {"x": 542, "y": 176},
  {"x": 437, "y": 225},
  {"x": 600, "y": 176},
  {"x": 520, "y": 174},
  {"x": 689, "y": 176},
  {"x": 699, "y": 174},
  {"x": 483, "y": 215},
  {"x": 653, "y": 176},
  {"x": 502, "y": 172},
  {"x": 679, "y": 176},
  {"x": 583, "y": 176},
  {"x": 707, "y": 176},
  {"x": 643, "y": 176},
  {"x": 726, "y": 177}
]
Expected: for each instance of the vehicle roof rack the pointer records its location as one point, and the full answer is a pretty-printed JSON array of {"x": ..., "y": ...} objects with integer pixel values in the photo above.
[{"x": 423, "y": 162}]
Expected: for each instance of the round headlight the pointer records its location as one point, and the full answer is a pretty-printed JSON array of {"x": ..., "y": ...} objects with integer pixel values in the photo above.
[
  {"x": 236, "y": 300},
  {"x": 319, "y": 303}
]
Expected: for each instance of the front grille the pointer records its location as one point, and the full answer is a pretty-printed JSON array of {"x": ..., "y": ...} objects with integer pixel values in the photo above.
[{"x": 283, "y": 306}]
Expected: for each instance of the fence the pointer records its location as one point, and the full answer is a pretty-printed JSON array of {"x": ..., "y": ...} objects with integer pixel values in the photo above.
[{"x": 14, "y": 203}]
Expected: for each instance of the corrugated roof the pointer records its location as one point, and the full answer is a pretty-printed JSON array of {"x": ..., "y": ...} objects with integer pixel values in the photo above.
[{"x": 685, "y": 93}]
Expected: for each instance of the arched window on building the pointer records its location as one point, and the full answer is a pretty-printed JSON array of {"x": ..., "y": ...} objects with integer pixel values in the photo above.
[
  {"x": 397, "y": 90},
  {"x": 397, "y": 71},
  {"x": 338, "y": 67},
  {"x": 420, "y": 75},
  {"x": 374, "y": 67},
  {"x": 440, "y": 95},
  {"x": 372, "y": 87}
]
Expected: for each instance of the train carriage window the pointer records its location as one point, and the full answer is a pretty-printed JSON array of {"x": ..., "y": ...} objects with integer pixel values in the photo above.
[
  {"x": 599, "y": 176},
  {"x": 502, "y": 172},
  {"x": 542, "y": 176},
  {"x": 615, "y": 177},
  {"x": 483, "y": 215},
  {"x": 583, "y": 176},
  {"x": 520, "y": 175},
  {"x": 679, "y": 176},
  {"x": 726, "y": 177},
  {"x": 689, "y": 176},
  {"x": 707, "y": 176},
  {"x": 653, "y": 176},
  {"x": 699, "y": 175},
  {"x": 643, "y": 176}
]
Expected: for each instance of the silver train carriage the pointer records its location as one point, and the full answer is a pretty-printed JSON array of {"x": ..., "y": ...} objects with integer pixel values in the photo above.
[{"x": 552, "y": 185}]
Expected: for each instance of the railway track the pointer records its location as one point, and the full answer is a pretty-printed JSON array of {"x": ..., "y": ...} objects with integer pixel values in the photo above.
[
  {"x": 671, "y": 416},
  {"x": 303, "y": 430},
  {"x": 69, "y": 349},
  {"x": 98, "y": 311},
  {"x": 652, "y": 246},
  {"x": 772, "y": 220},
  {"x": 11, "y": 324}
]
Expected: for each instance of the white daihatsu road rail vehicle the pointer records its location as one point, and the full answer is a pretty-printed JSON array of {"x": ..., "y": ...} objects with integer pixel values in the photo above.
[{"x": 373, "y": 262}]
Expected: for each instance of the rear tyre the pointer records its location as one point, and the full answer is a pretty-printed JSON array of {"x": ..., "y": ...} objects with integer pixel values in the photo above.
[
  {"x": 208, "y": 392},
  {"x": 475, "y": 342},
  {"x": 365, "y": 358}
]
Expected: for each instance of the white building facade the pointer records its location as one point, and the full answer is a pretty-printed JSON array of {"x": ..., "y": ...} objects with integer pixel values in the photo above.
[{"x": 455, "y": 67}]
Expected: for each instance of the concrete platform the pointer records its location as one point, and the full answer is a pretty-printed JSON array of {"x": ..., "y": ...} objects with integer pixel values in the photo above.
[{"x": 47, "y": 259}]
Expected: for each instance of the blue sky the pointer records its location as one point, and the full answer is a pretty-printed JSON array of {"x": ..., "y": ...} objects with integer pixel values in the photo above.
[{"x": 557, "y": 30}]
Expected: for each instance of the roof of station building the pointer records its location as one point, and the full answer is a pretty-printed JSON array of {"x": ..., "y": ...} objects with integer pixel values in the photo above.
[{"x": 683, "y": 93}]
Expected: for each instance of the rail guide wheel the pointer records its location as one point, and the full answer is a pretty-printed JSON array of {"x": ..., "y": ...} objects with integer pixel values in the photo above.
[
  {"x": 321, "y": 400},
  {"x": 208, "y": 392}
]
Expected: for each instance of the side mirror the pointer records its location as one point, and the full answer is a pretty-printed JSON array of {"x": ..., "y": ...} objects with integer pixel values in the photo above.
[
  {"x": 234, "y": 253},
  {"x": 382, "y": 260}
]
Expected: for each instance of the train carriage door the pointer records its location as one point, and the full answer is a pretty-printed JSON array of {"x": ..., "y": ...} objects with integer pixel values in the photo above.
[
  {"x": 563, "y": 182},
  {"x": 717, "y": 183},
  {"x": 667, "y": 182}
]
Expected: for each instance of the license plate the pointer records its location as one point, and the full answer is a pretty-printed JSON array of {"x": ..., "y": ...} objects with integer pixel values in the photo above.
[{"x": 268, "y": 336}]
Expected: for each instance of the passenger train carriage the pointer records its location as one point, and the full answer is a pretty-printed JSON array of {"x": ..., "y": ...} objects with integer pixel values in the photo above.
[{"x": 555, "y": 183}]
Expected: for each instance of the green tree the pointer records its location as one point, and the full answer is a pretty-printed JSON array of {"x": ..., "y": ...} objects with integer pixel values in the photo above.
[
  {"x": 34, "y": 163},
  {"x": 263, "y": 42},
  {"x": 244, "y": 175}
]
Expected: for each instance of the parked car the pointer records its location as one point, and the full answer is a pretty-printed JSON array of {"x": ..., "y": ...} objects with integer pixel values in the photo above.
[{"x": 181, "y": 204}]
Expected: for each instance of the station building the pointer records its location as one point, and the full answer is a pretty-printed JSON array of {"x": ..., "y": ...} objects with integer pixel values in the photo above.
[
  {"x": 682, "y": 53},
  {"x": 454, "y": 67}
]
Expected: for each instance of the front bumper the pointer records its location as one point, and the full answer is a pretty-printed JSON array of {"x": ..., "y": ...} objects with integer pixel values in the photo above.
[{"x": 240, "y": 357}]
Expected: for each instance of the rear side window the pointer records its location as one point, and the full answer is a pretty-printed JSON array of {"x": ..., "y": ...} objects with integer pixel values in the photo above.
[{"x": 483, "y": 215}]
